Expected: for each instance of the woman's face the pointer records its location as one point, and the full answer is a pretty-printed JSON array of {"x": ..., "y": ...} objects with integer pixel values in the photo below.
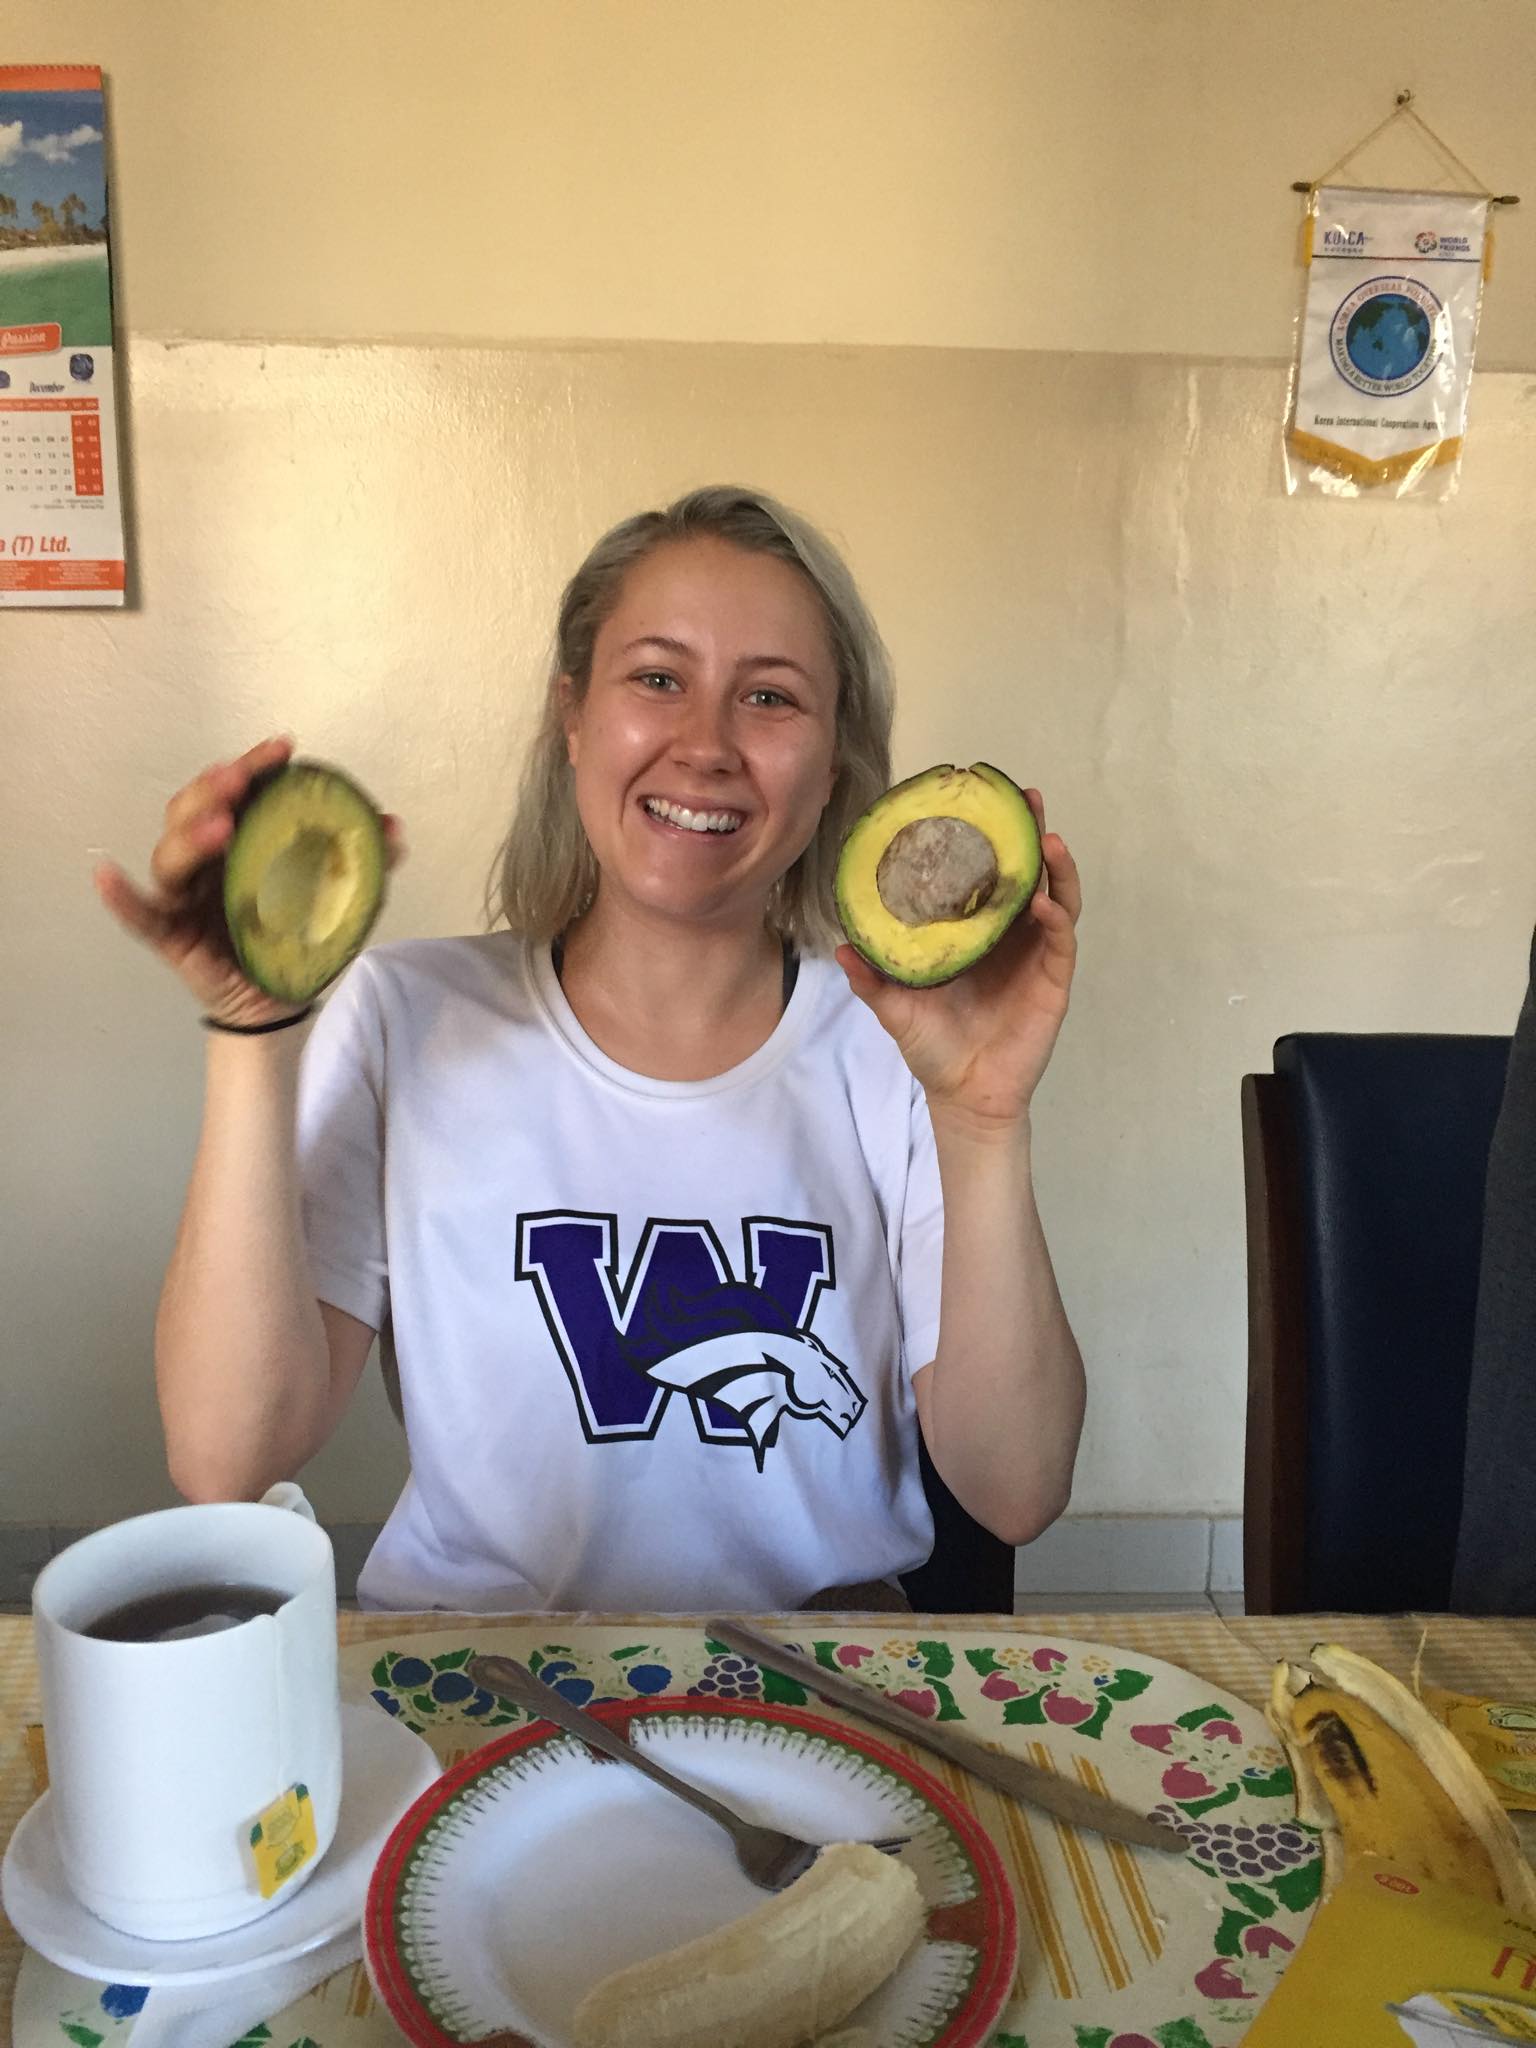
[{"x": 704, "y": 746}]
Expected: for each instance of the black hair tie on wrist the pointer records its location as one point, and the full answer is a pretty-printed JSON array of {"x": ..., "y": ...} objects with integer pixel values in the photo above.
[{"x": 256, "y": 1030}]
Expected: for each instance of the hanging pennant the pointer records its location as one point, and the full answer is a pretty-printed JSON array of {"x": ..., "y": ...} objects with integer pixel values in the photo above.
[{"x": 1386, "y": 340}]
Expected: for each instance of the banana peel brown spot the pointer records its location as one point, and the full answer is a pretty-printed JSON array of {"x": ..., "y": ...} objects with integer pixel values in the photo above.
[{"x": 1382, "y": 1778}]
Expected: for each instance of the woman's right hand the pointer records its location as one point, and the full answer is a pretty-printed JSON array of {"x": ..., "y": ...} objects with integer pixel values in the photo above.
[{"x": 181, "y": 916}]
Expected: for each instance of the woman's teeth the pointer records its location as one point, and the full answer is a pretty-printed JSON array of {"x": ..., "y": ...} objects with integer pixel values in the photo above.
[{"x": 692, "y": 821}]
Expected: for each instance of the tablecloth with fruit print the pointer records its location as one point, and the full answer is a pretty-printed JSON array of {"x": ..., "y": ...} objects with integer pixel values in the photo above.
[{"x": 1120, "y": 1948}]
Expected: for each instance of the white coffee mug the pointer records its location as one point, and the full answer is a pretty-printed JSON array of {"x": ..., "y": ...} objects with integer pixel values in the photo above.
[{"x": 164, "y": 1756}]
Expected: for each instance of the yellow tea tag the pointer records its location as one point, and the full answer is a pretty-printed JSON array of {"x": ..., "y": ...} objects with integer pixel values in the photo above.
[
  {"x": 1500, "y": 1738},
  {"x": 283, "y": 1838}
]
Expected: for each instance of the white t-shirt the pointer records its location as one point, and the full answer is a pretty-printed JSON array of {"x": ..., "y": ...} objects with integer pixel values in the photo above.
[{"x": 655, "y": 1338}]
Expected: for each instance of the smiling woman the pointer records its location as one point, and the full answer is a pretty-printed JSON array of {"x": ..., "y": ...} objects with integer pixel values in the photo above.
[
  {"x": 700, "y": 783},
  {"x": 652, "y": 569},
  {"x": 681, "y": 1228}
]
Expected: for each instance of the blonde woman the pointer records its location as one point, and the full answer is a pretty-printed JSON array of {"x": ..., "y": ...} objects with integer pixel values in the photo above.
[{"x": 681, "y": 1224}]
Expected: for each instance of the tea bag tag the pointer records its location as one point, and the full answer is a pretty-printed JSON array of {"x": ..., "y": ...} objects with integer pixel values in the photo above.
[
  {"x": 289, "y": 1494},
  {"x": 210, "y": 1625},
  {"x": 283, "y": 1838}
]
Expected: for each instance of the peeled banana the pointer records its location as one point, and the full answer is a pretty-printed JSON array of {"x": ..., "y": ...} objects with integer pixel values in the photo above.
[
  {"x": 1381, "y": 1777},
  {"x": 782, "y": 1977}
]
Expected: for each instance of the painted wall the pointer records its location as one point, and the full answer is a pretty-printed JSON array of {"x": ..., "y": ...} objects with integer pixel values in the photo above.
[
  {"x": 1294, "y": 744},
  {"x": 1075, "y": 174}
]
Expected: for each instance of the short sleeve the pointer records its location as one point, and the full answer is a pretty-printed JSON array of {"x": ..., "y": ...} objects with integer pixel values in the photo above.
[
  {"x": 922, "y": 1242},
  {"x": 341, "y": 1151}
]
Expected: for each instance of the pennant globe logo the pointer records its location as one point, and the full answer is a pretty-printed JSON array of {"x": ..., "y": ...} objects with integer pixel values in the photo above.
[{"x": 1388, "y": 336}]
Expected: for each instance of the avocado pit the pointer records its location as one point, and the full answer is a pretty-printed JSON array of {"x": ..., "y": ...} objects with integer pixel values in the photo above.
[{"x": 936, "y": 868}]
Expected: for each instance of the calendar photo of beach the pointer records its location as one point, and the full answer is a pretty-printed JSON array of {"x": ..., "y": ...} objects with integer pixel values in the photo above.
[{"x": 54, "y": 263}]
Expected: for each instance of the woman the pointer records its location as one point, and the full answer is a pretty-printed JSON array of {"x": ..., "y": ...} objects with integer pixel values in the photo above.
[{"x": 647, "y": 1190}]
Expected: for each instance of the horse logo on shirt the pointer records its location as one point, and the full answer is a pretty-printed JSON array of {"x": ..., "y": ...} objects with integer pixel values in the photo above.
[{"x": 741, "y": 1351}]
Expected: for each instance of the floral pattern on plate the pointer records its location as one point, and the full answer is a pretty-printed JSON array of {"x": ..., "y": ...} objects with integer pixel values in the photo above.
[{"x": 1124, "y": 1949}]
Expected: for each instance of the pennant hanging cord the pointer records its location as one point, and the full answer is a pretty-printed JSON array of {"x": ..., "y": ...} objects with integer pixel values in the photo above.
[{"x": 1405, "y": 106}]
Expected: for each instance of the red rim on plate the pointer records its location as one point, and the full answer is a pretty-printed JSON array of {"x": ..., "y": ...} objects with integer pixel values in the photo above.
[{"x": 987, "y": 1923}]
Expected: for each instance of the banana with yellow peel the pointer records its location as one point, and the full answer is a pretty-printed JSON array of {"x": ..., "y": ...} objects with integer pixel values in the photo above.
[
  {"x": 1429, "y": 1901},
  {"x": 1381, "y": 1777},
  {"x": 783, "y": 1976}
]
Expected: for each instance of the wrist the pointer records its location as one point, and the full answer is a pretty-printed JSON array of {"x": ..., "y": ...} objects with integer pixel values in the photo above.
[
  {"x": 967, "y": 1130},
  {"x": 229, "y": 1029},
  {"x": 274, "y": 1050}
]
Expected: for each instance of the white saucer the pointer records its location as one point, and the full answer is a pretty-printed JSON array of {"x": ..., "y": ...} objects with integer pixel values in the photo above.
[{"x": 384, "y": 1768}]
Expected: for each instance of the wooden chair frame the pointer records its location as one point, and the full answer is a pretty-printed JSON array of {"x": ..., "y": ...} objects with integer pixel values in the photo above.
[{"x": 1275, "y": 1458}]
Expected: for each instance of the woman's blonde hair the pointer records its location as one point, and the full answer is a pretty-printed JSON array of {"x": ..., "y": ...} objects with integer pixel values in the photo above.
[{"x": 545, "y": 873}]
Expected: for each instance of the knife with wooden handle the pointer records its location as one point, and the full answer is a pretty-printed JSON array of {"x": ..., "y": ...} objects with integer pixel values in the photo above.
[{"x": 1011, "y": 1774}]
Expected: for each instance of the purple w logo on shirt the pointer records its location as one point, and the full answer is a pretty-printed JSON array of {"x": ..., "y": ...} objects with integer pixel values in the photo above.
[{"x": 681, "y": 1322}]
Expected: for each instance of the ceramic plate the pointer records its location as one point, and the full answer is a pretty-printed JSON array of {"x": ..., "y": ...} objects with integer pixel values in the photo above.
[
  {"x": 535, "y": 1868},
  {"x": 384, "y": 1767},
  {"x": 1120, "y": 1947}
]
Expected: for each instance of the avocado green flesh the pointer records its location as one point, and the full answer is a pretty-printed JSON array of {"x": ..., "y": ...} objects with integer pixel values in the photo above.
[
  {"x": 936, "y": 870},
  {"x": 303, "y": 880}
]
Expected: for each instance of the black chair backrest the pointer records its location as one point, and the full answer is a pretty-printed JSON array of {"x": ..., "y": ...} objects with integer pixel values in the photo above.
[
  {"x": 970, "y": 1570},
  {"x": 1392, "y": 1136}
]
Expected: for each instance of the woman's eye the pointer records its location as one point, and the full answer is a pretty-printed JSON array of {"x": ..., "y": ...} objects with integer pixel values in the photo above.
[
  {"x": 769, "y": 697},
  {"x": 657, "y": 679}
]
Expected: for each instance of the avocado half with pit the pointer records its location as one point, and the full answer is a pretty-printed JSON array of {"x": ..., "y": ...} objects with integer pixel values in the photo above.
[
  {"x": 936, "y": 870},
  {"x": 303, "y": 879}
]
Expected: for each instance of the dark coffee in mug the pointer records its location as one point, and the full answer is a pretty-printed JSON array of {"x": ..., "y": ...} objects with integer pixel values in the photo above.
[{"x": 181, "y": 1611}]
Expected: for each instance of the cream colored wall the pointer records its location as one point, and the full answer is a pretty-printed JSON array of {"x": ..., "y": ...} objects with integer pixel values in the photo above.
[
  {"x": 1076, "y": 174},
  {"x": 1294, "y": 744}
]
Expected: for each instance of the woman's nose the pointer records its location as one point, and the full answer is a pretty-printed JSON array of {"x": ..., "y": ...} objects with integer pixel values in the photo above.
[{"x": 705, "y": 738}]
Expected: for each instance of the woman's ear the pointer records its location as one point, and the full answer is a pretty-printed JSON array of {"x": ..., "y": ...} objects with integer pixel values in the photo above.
[{"x": 570, "y": 716}]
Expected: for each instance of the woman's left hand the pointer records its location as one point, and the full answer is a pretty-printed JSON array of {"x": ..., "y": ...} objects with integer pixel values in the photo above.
[{"x": 979, "y": 1044}]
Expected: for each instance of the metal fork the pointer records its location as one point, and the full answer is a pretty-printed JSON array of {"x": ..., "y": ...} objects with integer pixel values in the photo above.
[{"x": 770, "y": 1858}]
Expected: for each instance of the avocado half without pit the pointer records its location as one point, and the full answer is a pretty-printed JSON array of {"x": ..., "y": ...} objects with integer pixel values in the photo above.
[
  {"x": 303, "y": 879},
  {"x": 936, "y": 870}
]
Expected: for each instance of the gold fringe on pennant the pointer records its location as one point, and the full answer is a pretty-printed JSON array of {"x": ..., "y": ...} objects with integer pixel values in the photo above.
[{"x": 1362, "y": 469}]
